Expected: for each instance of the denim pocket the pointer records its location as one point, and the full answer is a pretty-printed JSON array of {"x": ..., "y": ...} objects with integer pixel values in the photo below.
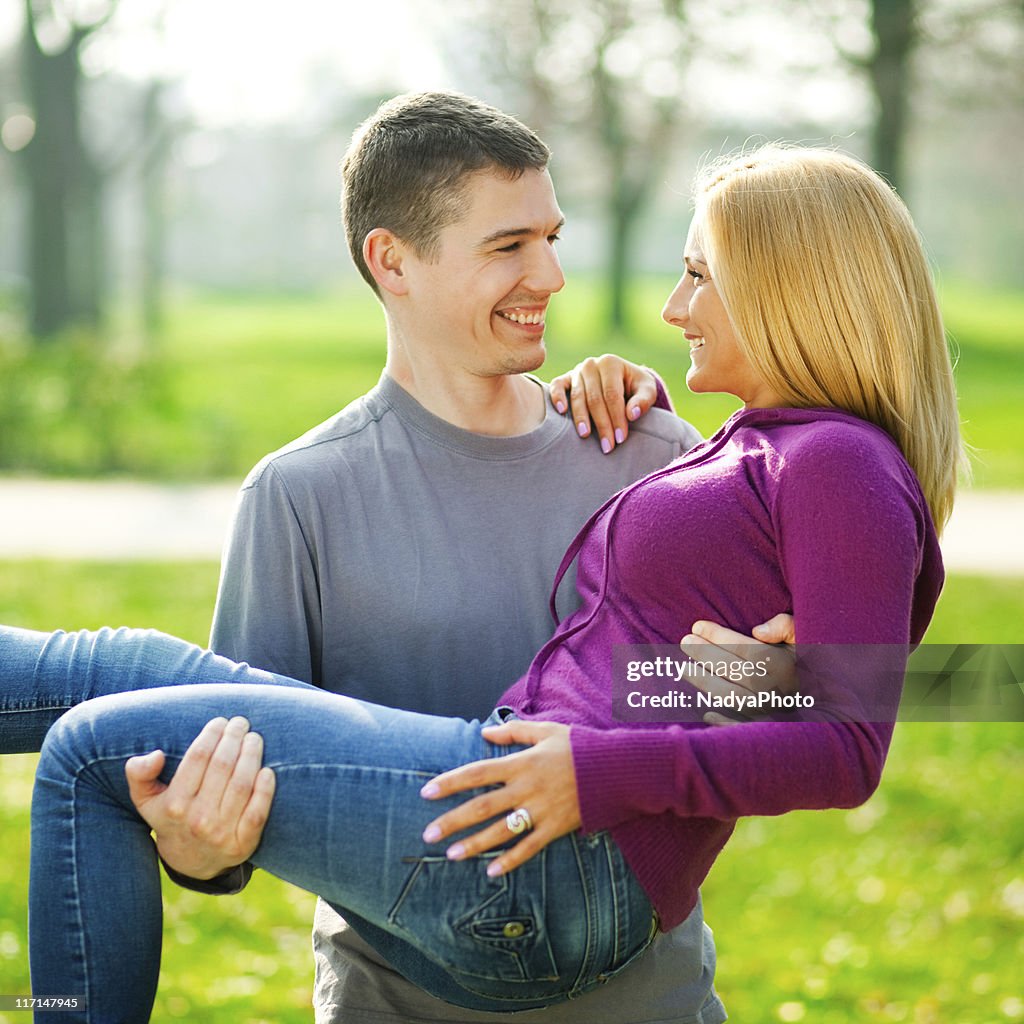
[
  {"x": 632, "y": 955},
  {"x": 487, "y": 928},
  {"x": 638, "y": 928}
]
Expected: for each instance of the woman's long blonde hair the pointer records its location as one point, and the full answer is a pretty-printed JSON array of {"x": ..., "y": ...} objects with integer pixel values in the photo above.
[{"x": 829, "y": 290}]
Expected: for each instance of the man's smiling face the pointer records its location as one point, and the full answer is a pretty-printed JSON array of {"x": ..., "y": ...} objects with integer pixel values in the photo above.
[{"x": 480, "y": 300}]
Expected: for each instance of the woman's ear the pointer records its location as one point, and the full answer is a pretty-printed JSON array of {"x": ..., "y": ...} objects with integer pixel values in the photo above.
[{"x": 384, "y": 253}]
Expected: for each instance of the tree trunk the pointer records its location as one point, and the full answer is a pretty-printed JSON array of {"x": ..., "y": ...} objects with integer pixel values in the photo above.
[
  {"x": 88, "y": 252},
  {"x": 156, "y": 140},
  {"x": 895, "y": 31},
  {"x": 620, "y": 224},
  {"x": 51, "y": 304},
  {"x": 623, "y": 210},
  {"x": 66, "y": 230}
]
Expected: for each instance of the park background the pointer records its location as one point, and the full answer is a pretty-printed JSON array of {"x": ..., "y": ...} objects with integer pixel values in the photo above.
[{"x": 176, "y": 300}]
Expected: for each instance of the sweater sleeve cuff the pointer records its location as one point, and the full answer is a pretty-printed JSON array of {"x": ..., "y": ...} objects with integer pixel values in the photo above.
[
  {"x": 662, "y": 401},
  {"x": 227, "y": 883},
  {"x": 621, "y": 774}
]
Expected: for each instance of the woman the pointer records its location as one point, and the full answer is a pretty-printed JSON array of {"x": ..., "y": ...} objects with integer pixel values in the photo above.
[{"x": 807, "y": 295}]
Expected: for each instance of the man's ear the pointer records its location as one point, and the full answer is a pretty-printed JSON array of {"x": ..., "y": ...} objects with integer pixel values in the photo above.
[{"x": 384, "y": 253}]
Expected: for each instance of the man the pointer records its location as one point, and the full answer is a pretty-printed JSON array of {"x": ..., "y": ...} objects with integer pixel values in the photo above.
[{"x": 403, "y": 551}]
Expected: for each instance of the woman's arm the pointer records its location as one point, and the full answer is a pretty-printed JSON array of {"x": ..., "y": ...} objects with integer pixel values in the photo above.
[
  {"x": 765, "y": 768},
  {"x": 539, "y": 777},
  {"x": 856, "y": 552},
  {"x": 611, "y": 392}
]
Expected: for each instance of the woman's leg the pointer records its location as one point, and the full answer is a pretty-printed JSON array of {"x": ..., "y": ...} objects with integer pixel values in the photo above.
[
  {"x": 44, "y": 674},
  {"x": 346, "y": 823}
]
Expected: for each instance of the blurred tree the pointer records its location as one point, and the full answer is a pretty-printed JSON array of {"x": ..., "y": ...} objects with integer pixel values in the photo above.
[
  {"x": 607, "y": 73},
  {"x": 945, "y": 48},
  {"x": 161, "y": 125},
  {"x": 66, "y": 252},
  {"x": 878, "y": 39},
  {"x": 635, "y": 142},
  {"x": 895, "y": 33},
  {"x": 972, "y": 51},
  {"x": 157, "y": 141}
]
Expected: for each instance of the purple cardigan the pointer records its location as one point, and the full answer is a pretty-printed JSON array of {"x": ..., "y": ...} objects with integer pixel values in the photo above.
[{"x": 808, "y": 510}]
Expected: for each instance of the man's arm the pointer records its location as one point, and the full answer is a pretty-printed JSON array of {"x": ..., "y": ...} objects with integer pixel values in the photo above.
[
  {"x": 203, "y": 838},
  {"x": 268, "y": 599},
  {"x": 210, "y": 817},
  {"x": 771, "y": 648}
]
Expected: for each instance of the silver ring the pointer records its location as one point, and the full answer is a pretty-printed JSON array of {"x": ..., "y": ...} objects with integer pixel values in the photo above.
[{"x": 518, "y": 821}]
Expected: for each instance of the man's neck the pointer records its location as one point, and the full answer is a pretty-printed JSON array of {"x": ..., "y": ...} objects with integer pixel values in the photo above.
[{"x": 499, "y": 406}]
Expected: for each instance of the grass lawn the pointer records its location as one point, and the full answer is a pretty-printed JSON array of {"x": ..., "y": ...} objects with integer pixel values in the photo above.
[{"x": 910, "y": 908}]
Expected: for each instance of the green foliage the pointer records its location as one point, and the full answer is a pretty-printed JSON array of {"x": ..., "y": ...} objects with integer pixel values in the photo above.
[
  {"x": 71, "y": 406},
  {"x": 987, "y": 331},
  {"x": 909, "y": 908},
  {"x": 978, "y": 610},
  {"x": 238, "y": 376},
  {"x": 174, "y": 597}
]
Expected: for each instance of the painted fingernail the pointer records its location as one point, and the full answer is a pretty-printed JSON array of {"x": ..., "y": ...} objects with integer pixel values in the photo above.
[
  {"x": 430, "y": 790},
  {"x": 620, "y": 435},
  {"x": 432, "y": 833},
  {"x": 634, "y": 412},
  {"x": 582, "y": 429},
  {"x": 456, "y": 851},
  {"x": 560, "y": 406},
  {"x": 494, "y": 869},
  {"x": 606, "y": 445}
]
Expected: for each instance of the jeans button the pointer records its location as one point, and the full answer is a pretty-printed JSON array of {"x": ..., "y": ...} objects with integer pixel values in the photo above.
[{"x": 513, "y": 929}]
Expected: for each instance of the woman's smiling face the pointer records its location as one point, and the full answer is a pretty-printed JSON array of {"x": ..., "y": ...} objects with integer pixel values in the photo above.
[{"x": 717, "y": 362}]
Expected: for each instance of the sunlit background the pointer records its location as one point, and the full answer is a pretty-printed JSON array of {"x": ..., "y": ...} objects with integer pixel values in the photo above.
[
  {"x": 176, "y": 300},
  {"x": 208, "y": 134}
]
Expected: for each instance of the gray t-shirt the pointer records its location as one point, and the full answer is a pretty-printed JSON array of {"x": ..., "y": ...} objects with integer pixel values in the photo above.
[{"x": 390, "y": 555}]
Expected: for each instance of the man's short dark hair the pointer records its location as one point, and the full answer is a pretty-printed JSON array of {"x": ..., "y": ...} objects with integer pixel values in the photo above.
[{"x": 407, "y": 165}]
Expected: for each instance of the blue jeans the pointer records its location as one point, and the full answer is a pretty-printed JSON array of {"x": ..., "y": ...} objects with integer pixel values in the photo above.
[
  {"x": 42, "y": 675},
  {"x": 346, "y": 823}
]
